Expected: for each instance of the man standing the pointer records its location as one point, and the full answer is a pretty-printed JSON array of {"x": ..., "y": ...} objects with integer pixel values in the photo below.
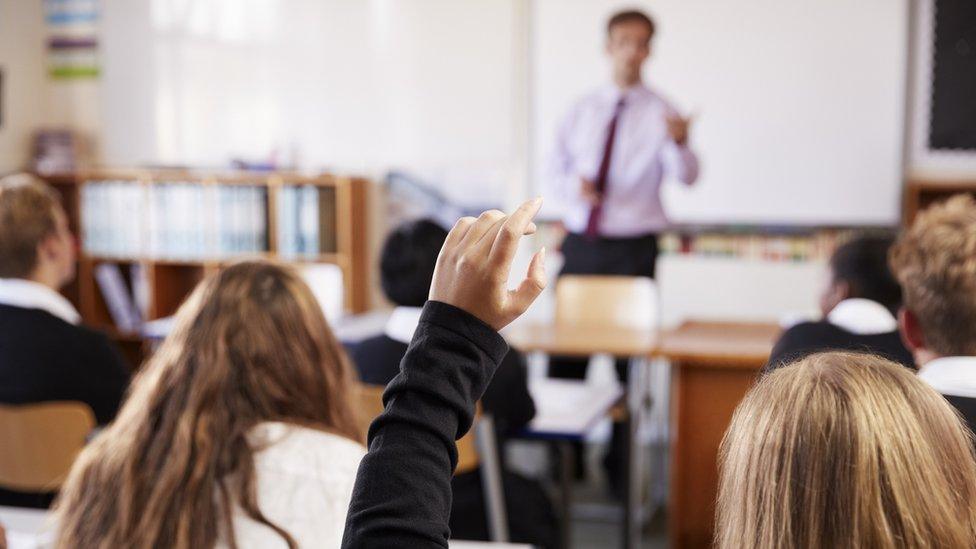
[{"x": 613, "y": 150}]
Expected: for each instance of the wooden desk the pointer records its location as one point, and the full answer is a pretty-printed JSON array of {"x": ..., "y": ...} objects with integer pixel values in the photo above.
[
  {"x": 568, "y": 340},
  {"x": 575, "y": 340},
  {"x": 713, "y": 365}
]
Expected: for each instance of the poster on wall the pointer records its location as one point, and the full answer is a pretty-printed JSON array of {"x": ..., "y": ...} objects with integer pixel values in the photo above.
[{"x": 72, "y": 44}]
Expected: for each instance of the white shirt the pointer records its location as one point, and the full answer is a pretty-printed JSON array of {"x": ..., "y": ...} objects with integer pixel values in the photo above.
[
  {"x": 643, "y": 153},
  {"x": 862, "y": 317},
  {"x": 403, "y": 323},
  {"x": 951, "y": 375},
  {"x": 304, "y": 484},
  {"x": 27, "y": 294}
]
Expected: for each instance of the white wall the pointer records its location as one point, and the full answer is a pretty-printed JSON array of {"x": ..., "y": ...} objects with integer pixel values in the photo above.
[
  {"x": 353, "y": 85},
  {"x": 24, "y": 80}
]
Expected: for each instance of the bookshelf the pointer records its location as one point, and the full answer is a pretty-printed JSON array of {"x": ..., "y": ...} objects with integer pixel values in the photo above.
[
  {"x": 173, "y": 251},
  {"x": 923, "y": 191}
]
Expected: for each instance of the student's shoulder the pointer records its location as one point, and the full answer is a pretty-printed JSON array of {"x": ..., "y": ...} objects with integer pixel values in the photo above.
[
  {"x": 303, "y": 452},
  {"x": 806, "y": 330},
  {"x": 44, "y": 324}
]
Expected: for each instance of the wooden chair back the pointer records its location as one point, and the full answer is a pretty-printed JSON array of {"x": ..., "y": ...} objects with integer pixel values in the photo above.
[
  {"x": 41, "y": 442},
  {"x": 625, "y": 301},
  {"x": 370, "y": 405}
]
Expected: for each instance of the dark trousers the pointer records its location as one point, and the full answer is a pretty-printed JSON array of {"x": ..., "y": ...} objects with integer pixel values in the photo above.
[{"x": 635, "y": 256}]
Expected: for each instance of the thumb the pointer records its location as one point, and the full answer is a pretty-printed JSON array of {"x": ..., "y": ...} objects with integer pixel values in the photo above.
[{"x": 522, "y": 297}]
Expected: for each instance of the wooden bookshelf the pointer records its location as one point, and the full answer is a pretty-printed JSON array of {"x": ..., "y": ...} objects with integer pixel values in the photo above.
[
  {"x": 923, "y": 191},
  {"x": 171, "y": 279}
]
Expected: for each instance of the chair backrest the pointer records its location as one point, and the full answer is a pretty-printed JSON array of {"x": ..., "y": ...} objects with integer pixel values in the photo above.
[
  {"x": 626, "y": 301},
  {"x": 370, "y": 405},
  {"x": 40, "y": 442}
]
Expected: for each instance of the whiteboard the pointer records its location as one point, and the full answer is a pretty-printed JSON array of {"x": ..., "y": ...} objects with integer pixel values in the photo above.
[{"x": 800, "y": 103}]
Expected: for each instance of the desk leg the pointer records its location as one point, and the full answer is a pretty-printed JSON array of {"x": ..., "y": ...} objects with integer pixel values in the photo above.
[
  {"x": 566, "y": 460},
  {"x": 637, "y": 401}
]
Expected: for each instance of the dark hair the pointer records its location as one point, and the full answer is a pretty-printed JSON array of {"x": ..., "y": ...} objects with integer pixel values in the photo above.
[
  {"x": 862, "y": 263},
  {"x": 630, "y": 16},
  {"x": 408, "y": 259}
]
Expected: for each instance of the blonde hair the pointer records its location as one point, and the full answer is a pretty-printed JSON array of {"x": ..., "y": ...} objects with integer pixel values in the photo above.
[
  {"x": 845, "y": 450},
  {"x": 28, "y": 215},
  {"x": 935, "y": 263},
  {"x": 250, "y": 345}
]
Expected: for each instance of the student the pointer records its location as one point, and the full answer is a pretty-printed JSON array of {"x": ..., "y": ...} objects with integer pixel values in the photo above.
[
  {"x": 859, "y": 306},
  {"x": 845, "y": 450},
  {"x": 935, "y": 262},
  {"x": 402, "y": 496},
  {"x": 45, "y": 354},
  {"x": 238, "y": 432},
  {"x": 407, "y": 265}
]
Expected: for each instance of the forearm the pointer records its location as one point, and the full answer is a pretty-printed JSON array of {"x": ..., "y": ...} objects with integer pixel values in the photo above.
[
  {"x": 402, "y": 495},
  {"x": 682, "y": 163}
]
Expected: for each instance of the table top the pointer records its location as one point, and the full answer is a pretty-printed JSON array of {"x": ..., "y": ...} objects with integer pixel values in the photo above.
[
  {"x": 729, "y": 343},
  {"x": 741, "y": 344},
  {"x": 568, "y": 408},
  {"x": 576, "y": 340}
]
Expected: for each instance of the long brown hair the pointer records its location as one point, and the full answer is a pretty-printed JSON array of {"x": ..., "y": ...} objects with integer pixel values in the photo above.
[
  {"x": 846, "y": 450},
  {"x": 250, "y": 345}
]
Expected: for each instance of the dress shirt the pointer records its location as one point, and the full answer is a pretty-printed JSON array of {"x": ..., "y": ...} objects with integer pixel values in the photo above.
[
  {"x": 27, "y": 294},
  {"x": 643, "y": 153},
  {"x": 951, "y": 375},
  {"x": 862, "y": 317}
]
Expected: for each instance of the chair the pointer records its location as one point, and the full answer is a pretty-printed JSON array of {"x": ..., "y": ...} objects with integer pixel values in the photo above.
[
  {"x": 476, "y": 448},
  {"x": 41, "y": 441},
  {"x": 625, "y": 301}
]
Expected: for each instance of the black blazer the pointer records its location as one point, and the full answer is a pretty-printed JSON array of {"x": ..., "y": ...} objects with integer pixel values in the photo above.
[
  {"x": 811, "y": 337},
  {"x": 966, "y": 407},
  {"x": 507, "y": 397},
  {"x": 43, "y": 358}
]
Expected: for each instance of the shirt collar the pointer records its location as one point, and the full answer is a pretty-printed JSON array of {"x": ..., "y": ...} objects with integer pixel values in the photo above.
[
  {"x": 863, "y": 317},
  {"x": 403, "y": 323},
  {"x": 28, "y": 294},
  {"x": 952, "y": 375},
  {"x": 611, "y": 93}
]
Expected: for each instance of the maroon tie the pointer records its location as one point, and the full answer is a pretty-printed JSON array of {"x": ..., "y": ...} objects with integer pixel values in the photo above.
[{"x": 593, "y": 224}]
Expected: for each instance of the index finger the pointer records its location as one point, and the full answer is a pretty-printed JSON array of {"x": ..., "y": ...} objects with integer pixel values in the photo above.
[{"x": 506, "y": 242}]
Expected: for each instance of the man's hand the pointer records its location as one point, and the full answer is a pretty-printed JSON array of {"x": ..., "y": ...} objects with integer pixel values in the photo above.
[
  {"x": 678, "y": 128},
  {"x": 472, "y": 269},
  {"x": 589, "y": 192}
]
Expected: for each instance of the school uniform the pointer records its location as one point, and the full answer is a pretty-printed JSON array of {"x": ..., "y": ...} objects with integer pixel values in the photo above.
[
  {"x": 955, "y": 378},
  {"x": 303, "y": 483},
  {"x": 855, "y": 324},
  {"x": 507, "y": 399},
  {"x": 46, "y": 355},
  {"x": 402, "y": 496}
]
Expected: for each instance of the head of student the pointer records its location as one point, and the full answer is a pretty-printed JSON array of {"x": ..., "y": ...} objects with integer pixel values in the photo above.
[
  {"x": 408, "y": 259},
  {"x": 35, "y": 241},
  {"x": 859, "y": 269},
  {"x": 629, "y": 35},
  {"x": 249, "y": 345},
  {"x": 935, "y": 262},
  {"x": 845, "y": 450}
]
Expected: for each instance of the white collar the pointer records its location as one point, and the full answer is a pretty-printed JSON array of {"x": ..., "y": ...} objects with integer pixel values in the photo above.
[
  {"x": 951, "y": 375},
  {"x": 403, "y": 323},
  {"x": 863, "y": 317},
  {"x": 28, "y": 294},
  {"x": 612, "y": 93}
]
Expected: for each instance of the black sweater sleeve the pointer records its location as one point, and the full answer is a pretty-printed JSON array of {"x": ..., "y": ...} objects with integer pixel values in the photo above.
[
  {"x": 402, "y": 496},
  {"x": 508, "y": 398}
]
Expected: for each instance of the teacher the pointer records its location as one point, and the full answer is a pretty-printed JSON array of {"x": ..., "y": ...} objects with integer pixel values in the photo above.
[{"x": 613, "y": 150}]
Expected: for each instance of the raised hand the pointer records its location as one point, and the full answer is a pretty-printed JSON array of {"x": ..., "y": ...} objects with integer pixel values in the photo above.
[
  {"x": 678, "y": 128},
  {"x": 474, "y": 264}
]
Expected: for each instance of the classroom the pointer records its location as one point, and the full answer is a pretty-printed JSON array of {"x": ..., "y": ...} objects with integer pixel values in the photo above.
[{"x": 487, "y": 274}]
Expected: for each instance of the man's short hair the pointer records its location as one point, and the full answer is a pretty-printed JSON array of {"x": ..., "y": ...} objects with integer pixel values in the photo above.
[
  {"x": 862, "y": 263},
  {"x": 28, "y": 209},
  {"x": 631, "y": 16},
  {"x": 408, "y": 259},
  {"x": 935, "y": 262}
]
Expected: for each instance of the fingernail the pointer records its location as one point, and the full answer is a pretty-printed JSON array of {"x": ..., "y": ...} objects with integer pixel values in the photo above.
[
  {"x": 537, "y": 199},
  {"x": 542, "y": 254}
]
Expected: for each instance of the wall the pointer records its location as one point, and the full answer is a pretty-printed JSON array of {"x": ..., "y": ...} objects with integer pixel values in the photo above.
[{"x": 24, "y": 80}]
